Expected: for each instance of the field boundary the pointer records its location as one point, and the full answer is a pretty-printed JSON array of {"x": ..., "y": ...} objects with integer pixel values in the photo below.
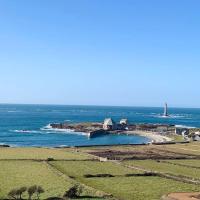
[
  {"x": 60, "y": 173},
  {"x": 163, "y": 175}
]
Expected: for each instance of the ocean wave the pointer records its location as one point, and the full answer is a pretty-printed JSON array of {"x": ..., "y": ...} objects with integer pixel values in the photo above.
[
  {"x": 173, "y": 116},
  {"x": 25, "y": 131},
  {"x": 63, "y": 146},
  {"x": 183, "y": 126},
  {"x": 67, "y": 120},
  {"x": 57, "y": 130}
]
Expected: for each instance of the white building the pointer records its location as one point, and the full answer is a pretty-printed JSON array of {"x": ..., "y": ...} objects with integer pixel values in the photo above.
[
  {"x": 108, "y": 124},
  {"x": 196, "y": 136},
  {"x": 124, "y": 122}
]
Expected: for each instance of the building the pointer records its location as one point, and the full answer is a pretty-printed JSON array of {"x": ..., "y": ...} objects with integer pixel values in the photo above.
[
  {"x": 124, "y": 122},
  {"x": 196, "y": 136},
  {"x": 182, "y": 131},
  {"x": 108, "y": 124}
]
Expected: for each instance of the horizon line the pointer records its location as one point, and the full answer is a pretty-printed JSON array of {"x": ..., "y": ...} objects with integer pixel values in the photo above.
[{"x": 94, "y": 105}]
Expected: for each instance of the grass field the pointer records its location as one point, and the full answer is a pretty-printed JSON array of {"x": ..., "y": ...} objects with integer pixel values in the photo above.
[
  {"x": 15, "y": 174},
  {"x": 139, "y": 188},
  {"x": 41, "y": 154},
  {"x": 190, "y": 163},
  {"x": 122, "y": 187},
  {"x": 165, "y": 168},
  {"x": 29, "y": 166},
  {"x": 81, "y": 168}
]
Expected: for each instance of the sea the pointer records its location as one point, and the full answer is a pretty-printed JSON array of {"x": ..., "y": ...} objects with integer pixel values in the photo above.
[{"x": 28, "y": 125}]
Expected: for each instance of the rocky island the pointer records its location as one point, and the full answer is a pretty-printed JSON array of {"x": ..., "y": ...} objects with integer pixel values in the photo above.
[{"x": 157, "y": 132}]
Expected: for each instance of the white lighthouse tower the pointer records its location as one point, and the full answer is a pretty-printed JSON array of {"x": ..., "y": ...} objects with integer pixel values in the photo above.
[{"x": 165, "y": 114}]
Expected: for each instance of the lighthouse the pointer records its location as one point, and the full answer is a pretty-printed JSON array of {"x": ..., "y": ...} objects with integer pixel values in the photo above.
[{"x": 165, "y": 114}]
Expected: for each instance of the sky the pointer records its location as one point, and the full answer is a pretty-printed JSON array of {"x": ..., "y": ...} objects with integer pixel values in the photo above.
[{"x": 100, "y": 52}]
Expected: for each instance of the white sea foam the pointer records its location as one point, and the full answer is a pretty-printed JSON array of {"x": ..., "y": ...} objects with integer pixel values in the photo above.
[
  {"x": 63, "y": 146},
  {"x": 172, "y": 116},
  {"x": 68, "y": 120},
  {"x": 49, "y": 128},
  {"x": 183, "y": 126},
  {"x": 25, "y": 131}
]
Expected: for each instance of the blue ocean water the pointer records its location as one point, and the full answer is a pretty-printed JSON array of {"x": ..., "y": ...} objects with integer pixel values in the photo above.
[{"x": 14, "y": 119}]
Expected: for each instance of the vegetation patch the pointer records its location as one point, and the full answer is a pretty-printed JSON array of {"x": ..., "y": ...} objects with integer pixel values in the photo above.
[
  {"x": 18, "y": 174},
  {"x": 97, "y": 175}
]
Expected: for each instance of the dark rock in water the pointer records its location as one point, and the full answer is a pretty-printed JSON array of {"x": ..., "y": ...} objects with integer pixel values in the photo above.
[
  {"x": 4, "y": 145},
  {"x": 97, "y": 133}
]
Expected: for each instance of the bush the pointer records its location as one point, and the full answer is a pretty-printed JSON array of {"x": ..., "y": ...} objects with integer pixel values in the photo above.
[
  {"x": 17, "y": 193},
  {"x": 73, "y": 192},
  {"x": 97, "y": 175},
  {"x": 39, "y": 191},
  {"x": 31, "y": 190},
  {"x": 50, "y": 159},
  {"x": 13, "y": 194}
]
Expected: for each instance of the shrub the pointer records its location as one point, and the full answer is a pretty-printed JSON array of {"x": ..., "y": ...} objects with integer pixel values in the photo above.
[
  {"x": 39, "y": 191},
  {"x": 97, "y": 175},
  {"x": 73, "y": 192},
  {"x": 31, "y": 190},
  {"x": 17, "y": 193},
  {"x": 13, "y": 194},
  {"x": 50, "y": 159}
]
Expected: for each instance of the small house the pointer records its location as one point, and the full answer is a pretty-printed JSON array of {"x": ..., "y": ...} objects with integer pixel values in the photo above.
[
  {"x": 124, "y": 122},
  {"x": 108, "y": 124},
  {"x": 182, "y": 131},
  {"x": 196, "y": 136}
]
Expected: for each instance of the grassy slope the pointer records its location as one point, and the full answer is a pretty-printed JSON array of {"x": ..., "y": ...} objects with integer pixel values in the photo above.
[
  {"x": 80, "y": 168},
  {"x": 27, "y": 173},
  {"x": 40, "y": 153},
  {"x": 128, "y": 188},
  {"x": 189, "y": 163},
  {"x": 140, "y": 188},
  {"x": 166, "y": 168}
]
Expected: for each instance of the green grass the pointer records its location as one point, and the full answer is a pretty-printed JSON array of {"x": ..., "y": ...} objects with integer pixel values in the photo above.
[
  {"x": 18, "y": 168},
  {"x": 176, "y": 138},
  {"x": 129, "y": 188},
  {"x": 14, "y": 174},
  {"x": 190, "y": 148},
  {"x": 189, "y": 163},
  {"x": 80, "y": 168},
  {"x": 165, "y": 168},
  {"x": 139, "y": 188},
  {"x": 41, "y": 153}
]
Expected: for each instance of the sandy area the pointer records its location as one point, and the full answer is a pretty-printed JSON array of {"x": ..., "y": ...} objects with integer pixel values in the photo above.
[
  {"x": 183, "y": 196},
  {"x": 155, "y": 137}
]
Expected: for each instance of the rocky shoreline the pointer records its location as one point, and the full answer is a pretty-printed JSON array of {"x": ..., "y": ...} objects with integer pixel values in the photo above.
[{"x": 157, "y": 133}]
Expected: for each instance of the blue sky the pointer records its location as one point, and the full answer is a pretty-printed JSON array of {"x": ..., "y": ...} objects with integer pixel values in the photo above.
[{"x": 100, "y": 52}]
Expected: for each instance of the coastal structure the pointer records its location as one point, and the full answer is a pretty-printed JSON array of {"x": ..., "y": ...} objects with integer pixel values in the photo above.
[
  {"x": 196, "y": 136},
  {"x": 109, "y": 124},
  {"x": 124, "y": 122},
  {"x": 165, "y": 114},
  {"x": 181, "y": 131}
]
